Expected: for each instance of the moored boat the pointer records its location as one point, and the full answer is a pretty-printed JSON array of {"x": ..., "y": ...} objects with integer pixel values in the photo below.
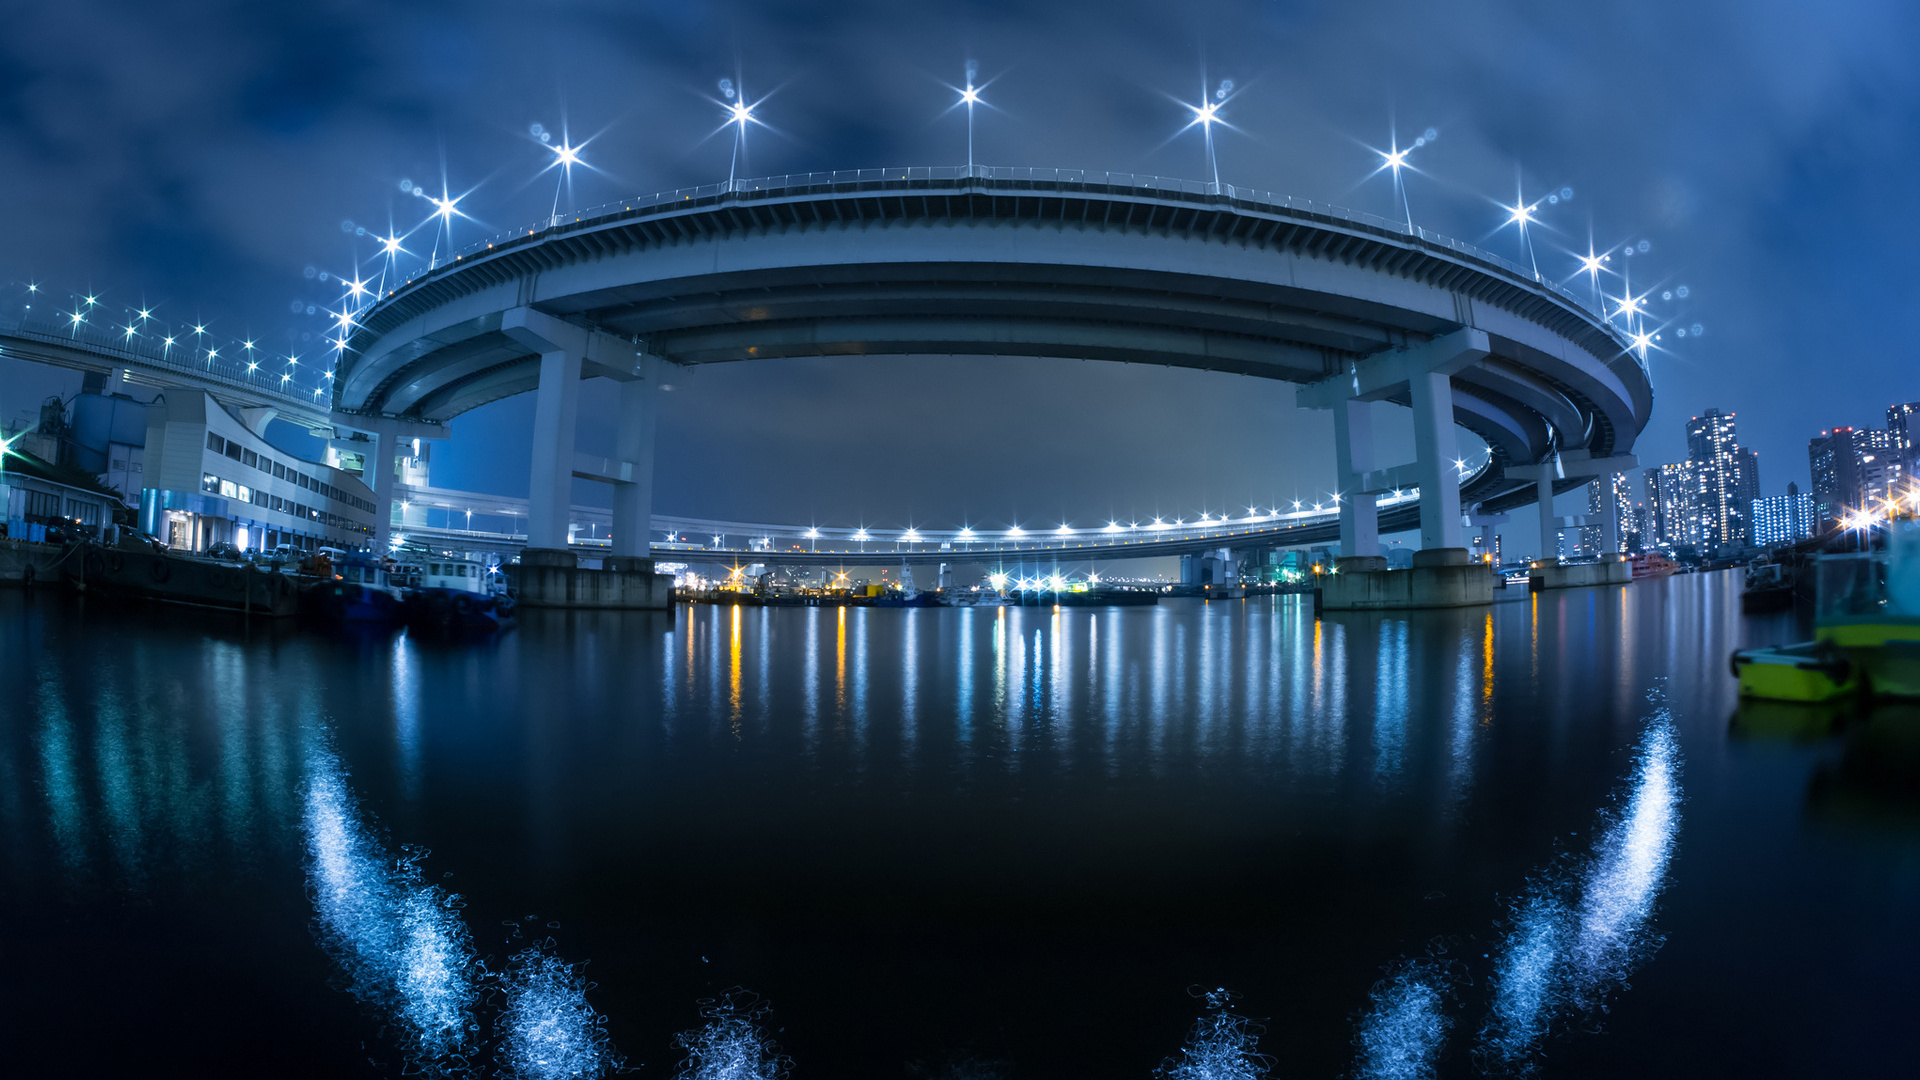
[
  {"x": 1866, "y": 617},
  {"x": 176, "y": 578},
  {"x": 357, "y": 591},
  {"x": 457, "y": 596},
  {"x": 1652, "y": 564}
]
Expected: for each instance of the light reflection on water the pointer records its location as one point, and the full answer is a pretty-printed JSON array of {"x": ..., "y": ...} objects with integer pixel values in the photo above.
[
  {"x": 401, "y": 942},
  {"x": 1367, "y": 709},
  {"x": 1577, "y": 932}
]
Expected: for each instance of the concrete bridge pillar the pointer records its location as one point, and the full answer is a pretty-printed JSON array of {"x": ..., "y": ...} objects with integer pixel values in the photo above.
[
  {"x": 1549, "y": 521},
  {"x": 556, "y": 406},
  {"x": 1353, "y": 452},
  {"x": 1435, "y": 452},
  {"x": 377, "y": 466},
  {"x": 633, "y": 444}
]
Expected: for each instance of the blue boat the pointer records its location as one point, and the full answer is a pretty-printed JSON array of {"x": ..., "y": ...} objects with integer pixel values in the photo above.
[{"x": 357, "y": 591}]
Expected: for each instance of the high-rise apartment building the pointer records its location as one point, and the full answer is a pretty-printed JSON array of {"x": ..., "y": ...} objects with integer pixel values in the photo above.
[
  {"x": 1903, "y": 422},
  {"x": 1882, "y": 466},
  {"x": 1673, "y": 517},
  {"x": 1782, "y": 519},
  {"x": 1726, "y": 479},
  {"x": 1610, "y": 499},
  {"x": 1838, "y": 487}
]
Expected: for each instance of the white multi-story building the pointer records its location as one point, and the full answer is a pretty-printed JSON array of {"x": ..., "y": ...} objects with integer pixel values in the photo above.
[{"x": 210, "y": 478}]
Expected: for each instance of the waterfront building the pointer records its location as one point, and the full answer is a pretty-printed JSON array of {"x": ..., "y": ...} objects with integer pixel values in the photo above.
[
  {"x": 33, "y": 496},
  {"x": 1903, "y": 421},
  {"x": 1783, "y": 519},
  {"x": 1726, "y": 481},
  {"x": 1478, "y": 548},
  {"x": 1610, "y": 501},
  {"x": 1837, "y": 486},
  {"x": 1672, "y": 506},
  {"x": 210, "y": 478},
  {"x": 1882, "y": 466}
]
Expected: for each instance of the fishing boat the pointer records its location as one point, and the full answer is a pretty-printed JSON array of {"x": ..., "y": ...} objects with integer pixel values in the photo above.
[
  {"x": 1866, "y": 630},
  {"x": 458, "y": 596}
]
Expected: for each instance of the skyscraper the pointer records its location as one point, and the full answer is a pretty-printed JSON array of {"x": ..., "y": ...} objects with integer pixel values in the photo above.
[
  {"x": 1882, "y": 466},
  {"x": 1903, "y": 422},
  {"x": 1837, "y": 484},
  {"x": 1726, "y": 479},
  {"x": 1611, "y": 501},
  {"x": 1670, "y": 507}
]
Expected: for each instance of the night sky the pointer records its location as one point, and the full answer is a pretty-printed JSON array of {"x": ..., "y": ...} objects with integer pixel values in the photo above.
[{"x": 210, "y": 157}]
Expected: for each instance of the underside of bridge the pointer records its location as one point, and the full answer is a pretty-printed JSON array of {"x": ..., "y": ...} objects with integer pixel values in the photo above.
[{"x": 1355, "y": 311}]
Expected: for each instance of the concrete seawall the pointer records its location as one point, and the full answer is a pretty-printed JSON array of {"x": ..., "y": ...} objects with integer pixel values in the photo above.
[
  {"x": 548, "y": 578},
  {"x": 1439, "y": 578},
  {"x": 23, "y": 563},
  {"x": 1612, "y": 569}
]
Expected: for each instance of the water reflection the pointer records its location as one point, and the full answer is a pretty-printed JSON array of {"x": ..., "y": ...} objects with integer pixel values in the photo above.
[
  {"x": 400, "y": 941},
  {"x": 1287, "y": 734},
  {"x": 1222, "y": 1046},
  {"x": 1575, "y": 935},
  {"x": 1405, "y": 1025},
  {"x": 550, "y": 1032},
  {"x": 732, "y": 1043}
]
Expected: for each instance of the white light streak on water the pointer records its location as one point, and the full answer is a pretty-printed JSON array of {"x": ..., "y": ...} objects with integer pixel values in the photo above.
[
  {"x": 1628, "y": 869},
  {"x": 1560, "y": 954},
  {"x": 1528, "y": 980},
  {"x": 1401, "y": 1035},
  {"x": 401, "y": 942},
  {"x": 549, "y": 1030},
  {"x": 1222, "y": 1046},
  {"x": 731, "y": 1045}
]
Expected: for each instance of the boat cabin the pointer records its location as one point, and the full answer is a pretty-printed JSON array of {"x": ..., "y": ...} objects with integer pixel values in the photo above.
[{"x": 457, "y": 575}]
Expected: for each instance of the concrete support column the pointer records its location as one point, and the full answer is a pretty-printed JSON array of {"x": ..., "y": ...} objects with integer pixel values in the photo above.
[
  {"x": 1549, "y": 521},
  {"x": 378, "y": 467},
  {"x": 555, "y": 408},
  {"x": 1435, "y": 450},
  {"x": 633, "y": 446},
  {"x": 1353, "y": 454}
]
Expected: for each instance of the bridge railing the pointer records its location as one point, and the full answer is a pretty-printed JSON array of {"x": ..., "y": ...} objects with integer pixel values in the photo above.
[
  {"x": 113, "y": 346},
  {"x": 956, "y": 177}
]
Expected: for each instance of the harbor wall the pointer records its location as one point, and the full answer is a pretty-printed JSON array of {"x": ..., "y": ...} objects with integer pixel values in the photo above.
[
  {"x": 23, "y": 562},
  {"x": 550, "y": 578},
  {"x": 1439, "y": 578},
  {"x": 1612, "y": 569}
]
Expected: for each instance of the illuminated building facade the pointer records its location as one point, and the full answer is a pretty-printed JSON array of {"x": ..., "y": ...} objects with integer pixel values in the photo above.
[
  {"x": 1726, "y": 481},
  {"x": 1783, "y": 519}
]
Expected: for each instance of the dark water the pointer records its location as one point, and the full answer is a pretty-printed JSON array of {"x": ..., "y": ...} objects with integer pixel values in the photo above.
[{"x": 950, "y": 843}]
